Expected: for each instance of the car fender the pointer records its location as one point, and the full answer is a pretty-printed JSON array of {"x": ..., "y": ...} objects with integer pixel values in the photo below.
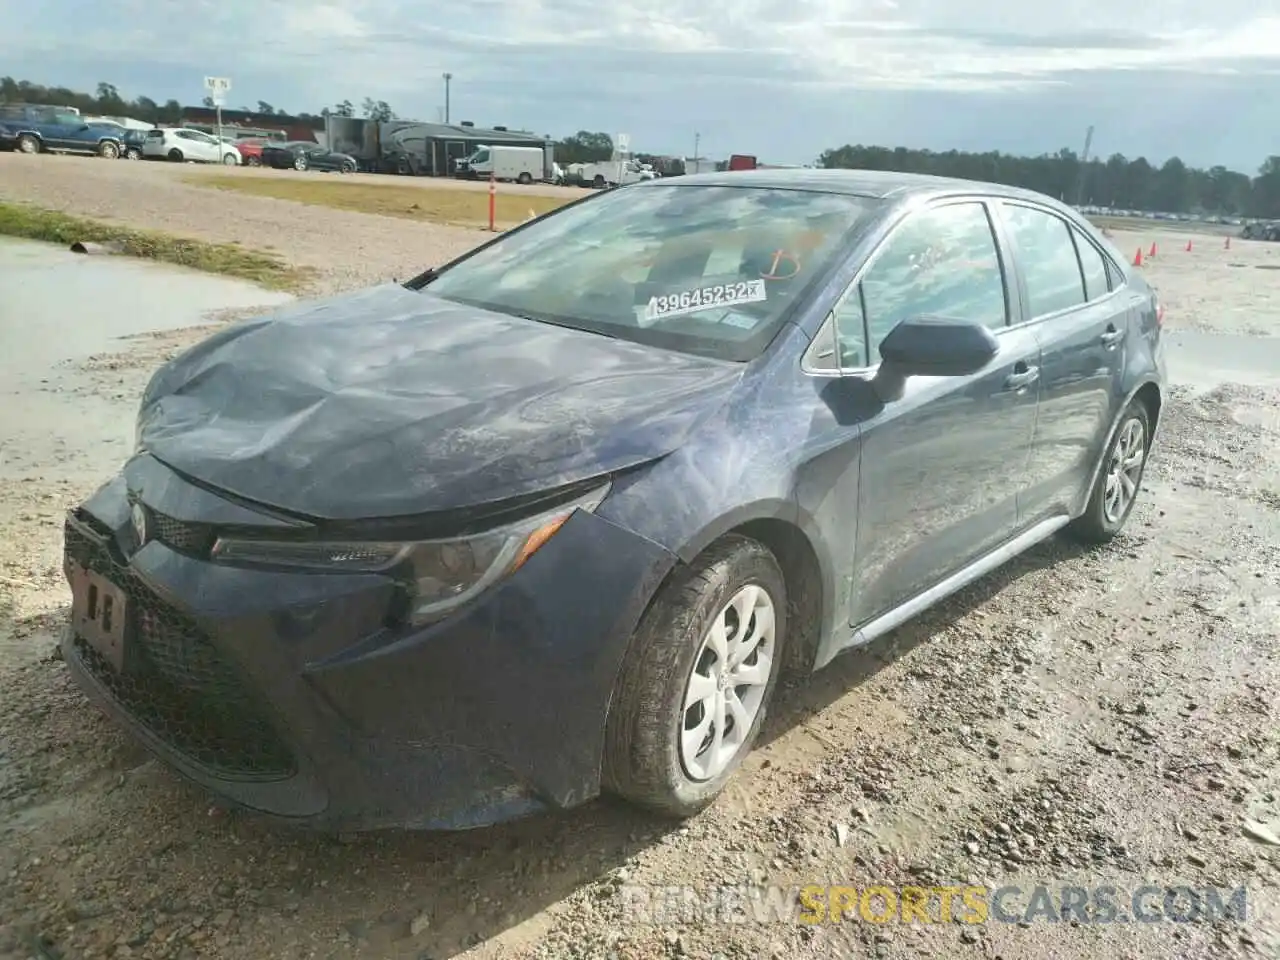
[{"x": 1111, "y": 432}]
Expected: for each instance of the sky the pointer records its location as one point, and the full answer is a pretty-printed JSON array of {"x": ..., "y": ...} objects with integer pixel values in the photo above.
[{"x": 781, "y": 79}]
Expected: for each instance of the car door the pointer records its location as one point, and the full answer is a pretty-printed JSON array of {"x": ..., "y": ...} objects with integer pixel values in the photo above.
[
  {"x": 941, "y": 467},
  {"x": 1079, "y": 308},
  {"x": 61, "y": 131}
]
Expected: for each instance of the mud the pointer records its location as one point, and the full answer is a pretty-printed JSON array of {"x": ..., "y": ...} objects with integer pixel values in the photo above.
[{"x": 1083, "y": 718}]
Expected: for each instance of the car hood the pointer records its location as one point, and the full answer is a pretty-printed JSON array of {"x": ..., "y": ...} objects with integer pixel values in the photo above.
[{"x": 390, "y": 402}]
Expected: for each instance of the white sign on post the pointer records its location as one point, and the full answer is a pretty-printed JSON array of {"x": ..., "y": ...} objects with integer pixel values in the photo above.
[
  {"x": 623, "y": 143},
  {"x": 218, "y": 88}
]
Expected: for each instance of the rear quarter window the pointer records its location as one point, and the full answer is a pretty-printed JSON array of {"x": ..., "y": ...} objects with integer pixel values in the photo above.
[{"x": 1047, "y": 255}]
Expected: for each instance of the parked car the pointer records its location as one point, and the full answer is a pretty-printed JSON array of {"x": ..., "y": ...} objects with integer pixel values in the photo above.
[
  {"x": 251, "y": 151},
  {"x": 303, "y": 155},
  {"x": 131, "y": 142},
  {"x": 35, "y": 130},
  {"x": 446, "y": 552},
  {"x": 1261, "y": 230},
  {"x": 182, "y": 145}
]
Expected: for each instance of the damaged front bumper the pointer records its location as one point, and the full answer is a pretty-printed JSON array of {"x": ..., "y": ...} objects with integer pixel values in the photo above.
[{"x": 293, "y": 694}]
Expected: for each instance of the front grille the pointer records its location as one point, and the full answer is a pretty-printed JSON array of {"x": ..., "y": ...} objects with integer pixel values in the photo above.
[
  {"x": 175, "y": 681},
  {"x": 196, "y": 538}
]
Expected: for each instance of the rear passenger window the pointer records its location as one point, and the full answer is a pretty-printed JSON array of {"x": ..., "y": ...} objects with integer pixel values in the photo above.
[
  {"x": 1048, "y": 259},
  {"x": 1094, "y": 267}
]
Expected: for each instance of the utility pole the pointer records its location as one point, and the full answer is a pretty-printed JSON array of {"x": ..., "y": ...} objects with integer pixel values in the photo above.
[
  {"x": 697, "y": 138},
  {"x": 1084, "y": 163},
  {"x": 447, "y": 78}
]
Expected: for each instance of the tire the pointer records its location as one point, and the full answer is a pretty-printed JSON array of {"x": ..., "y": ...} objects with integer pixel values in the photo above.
[
  {"x": 300, "y": 162},
  {"x": 598, "y": 182},
  {"x": 524, "y": 179},
  {"x": 175, "y": 155},
  {"x": 644, "y": 760},
  {"x": 108, "y": 150},
  {"x": 252, "y": 161},
  {"x": 229, "y": 160},
  {"x": 1104, "y": 516},
  {"x": 133, "y": 153},
  {"x": 28, "y": 143},
  {"x": 347, "y": 167}
]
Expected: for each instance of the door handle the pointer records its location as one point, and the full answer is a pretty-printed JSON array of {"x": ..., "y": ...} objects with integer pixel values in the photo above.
[
  {"x": 1112, "y": 336},
  {"x": 1022, "y": 376}
]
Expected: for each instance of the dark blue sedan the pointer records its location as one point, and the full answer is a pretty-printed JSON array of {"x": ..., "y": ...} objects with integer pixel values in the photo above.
[{"x": 552, "y": 518}]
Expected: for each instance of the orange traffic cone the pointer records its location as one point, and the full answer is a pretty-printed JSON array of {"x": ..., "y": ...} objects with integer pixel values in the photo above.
[
  {"x": 1152, "y": 252},
  {"x": 1188, "y": 246},
  {"x": 1137, "y": 258}
]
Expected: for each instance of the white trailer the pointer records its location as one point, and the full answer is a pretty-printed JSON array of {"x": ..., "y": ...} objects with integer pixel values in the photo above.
[{"x": 520, "y": 164}]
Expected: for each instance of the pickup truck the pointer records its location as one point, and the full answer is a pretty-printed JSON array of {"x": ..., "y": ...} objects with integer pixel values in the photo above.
[{"x": 36, "y": 130}]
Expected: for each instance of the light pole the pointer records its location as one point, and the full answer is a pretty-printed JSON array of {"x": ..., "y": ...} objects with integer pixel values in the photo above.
[
  {"x": 447, "y": 78},
  {"x": 697, "y": 138}
]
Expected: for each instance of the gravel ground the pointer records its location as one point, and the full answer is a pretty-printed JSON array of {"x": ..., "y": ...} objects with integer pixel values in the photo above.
[{"x": 1082, "y": 718}]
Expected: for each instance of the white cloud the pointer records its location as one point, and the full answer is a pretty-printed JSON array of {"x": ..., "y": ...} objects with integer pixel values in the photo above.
[{"x": 636, "y": 62}]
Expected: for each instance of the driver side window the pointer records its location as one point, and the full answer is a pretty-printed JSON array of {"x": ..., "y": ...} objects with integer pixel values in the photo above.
[{"x": 940, "y": 262}]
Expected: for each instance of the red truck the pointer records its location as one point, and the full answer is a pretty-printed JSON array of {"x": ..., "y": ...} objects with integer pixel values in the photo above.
[{"x": 740, "y": 161}]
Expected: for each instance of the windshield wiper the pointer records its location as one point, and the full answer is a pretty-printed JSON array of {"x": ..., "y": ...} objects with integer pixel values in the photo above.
[{"x": 421, "y": 280}]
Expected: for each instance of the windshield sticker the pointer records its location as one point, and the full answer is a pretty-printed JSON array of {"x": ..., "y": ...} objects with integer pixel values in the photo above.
[
  {"x": 706, "y": 298},
  {"x": 740, "y": 320}
]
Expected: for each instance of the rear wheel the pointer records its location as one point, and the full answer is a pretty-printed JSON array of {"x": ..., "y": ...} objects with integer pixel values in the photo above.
[
  {"x": 525, "y": 179},
  {"x": 1116, "y": 489},
  {"x": 348, "y": 166},
  {"x": 108, "y": 150},
  {"x": 697, "y": 679},
  {"x": 598, "y": 182},
  {"x": 252, "y": 161},
  {"x": 28, "y": 144},
  {"x": 175, "y": 155}
]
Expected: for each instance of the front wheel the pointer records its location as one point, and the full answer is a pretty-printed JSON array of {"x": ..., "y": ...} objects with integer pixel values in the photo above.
[
  {"x": 108, "y": 150},
  {"x": 697, "y": 679},
  {"x": 348, "y": 166},
  {"x": 300, "y": 162},
  {"x": 1116, "y": 489},
  {"x": 252, "y": 161},
  {"x": 229, "y": 159}
]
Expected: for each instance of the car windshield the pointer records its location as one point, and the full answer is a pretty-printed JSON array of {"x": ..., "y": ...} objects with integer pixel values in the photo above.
[{"x": 707, "y": 269}]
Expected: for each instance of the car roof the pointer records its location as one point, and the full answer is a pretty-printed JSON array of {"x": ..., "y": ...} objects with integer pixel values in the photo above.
[{"x": 875, "y": 184}]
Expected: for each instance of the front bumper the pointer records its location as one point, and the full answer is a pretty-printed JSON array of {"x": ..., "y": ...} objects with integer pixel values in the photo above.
[{"x": 291, "y": 695}]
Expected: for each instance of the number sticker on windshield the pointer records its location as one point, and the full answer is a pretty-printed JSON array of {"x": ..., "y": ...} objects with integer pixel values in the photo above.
[{"x": 706, "y": 298}]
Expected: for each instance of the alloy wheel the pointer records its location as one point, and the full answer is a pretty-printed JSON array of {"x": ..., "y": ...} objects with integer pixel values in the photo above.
[
  {"x": 726, "y": 688},
  {"x": 1124, "y": 470}
]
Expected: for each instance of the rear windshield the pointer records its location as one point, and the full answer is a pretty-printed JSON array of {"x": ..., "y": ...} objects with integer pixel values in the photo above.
[
  {"x": 155, "y": 133},
  {"x": 707, "y": 269}
]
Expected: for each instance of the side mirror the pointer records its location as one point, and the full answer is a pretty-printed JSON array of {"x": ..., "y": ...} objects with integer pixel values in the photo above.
[{"x": 932, "y": 347}]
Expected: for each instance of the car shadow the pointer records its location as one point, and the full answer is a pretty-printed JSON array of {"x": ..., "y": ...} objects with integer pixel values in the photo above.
[{"x": 390, "y": 894}]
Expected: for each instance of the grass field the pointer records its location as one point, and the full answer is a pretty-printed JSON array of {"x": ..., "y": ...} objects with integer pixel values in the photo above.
[
  {"x": 459, "y": 208},
  {"x": 36, "y": 223}
]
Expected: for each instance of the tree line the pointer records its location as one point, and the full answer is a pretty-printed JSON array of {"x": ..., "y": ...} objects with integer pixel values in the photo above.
[{"x": 1117, "y": 182}]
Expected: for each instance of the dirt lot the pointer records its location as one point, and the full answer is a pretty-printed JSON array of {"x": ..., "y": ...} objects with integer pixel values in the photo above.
[{"x": 1079, "y": 718}]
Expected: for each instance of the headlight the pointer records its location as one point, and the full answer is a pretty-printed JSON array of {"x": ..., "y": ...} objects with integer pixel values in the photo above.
[{"x": 441, "y": 574}]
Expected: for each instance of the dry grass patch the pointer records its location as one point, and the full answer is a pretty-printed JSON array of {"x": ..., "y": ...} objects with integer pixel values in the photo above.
[
  {"x": 459, "y": 208},
  {"x": 35, "y": 223}
]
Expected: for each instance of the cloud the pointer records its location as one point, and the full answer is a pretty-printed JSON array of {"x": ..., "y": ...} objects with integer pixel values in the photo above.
[{"x": 733, "y": 66}]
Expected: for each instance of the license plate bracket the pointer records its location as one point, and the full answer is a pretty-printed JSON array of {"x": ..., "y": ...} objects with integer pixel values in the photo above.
[{"x": 98, "y": 614}]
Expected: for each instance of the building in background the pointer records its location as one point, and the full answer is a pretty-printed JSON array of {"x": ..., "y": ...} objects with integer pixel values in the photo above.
[{"x": 421, "y": 149}]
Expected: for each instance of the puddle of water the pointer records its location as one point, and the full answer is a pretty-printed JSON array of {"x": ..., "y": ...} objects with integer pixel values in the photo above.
[
  {"x": 59, "y": 306},
  {"x": 1207, "y": 360}
]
